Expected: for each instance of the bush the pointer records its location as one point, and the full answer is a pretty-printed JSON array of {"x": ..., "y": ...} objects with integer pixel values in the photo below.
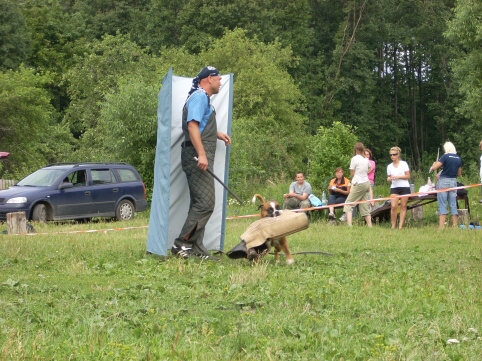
[{"x": 331, "y": 148}]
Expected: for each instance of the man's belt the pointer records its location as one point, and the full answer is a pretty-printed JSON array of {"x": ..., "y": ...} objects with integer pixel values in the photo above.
[{"x": 186, "y": 143}]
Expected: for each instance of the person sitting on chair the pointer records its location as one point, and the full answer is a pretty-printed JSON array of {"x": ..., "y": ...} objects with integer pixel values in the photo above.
[{"x": 339, "y": 188}]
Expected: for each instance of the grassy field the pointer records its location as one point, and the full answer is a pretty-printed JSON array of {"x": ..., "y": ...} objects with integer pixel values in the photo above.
[{"x": 378, "y": 295}]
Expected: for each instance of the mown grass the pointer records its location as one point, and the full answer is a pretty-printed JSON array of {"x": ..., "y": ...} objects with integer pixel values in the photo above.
[{"x": 379, "y": 295}]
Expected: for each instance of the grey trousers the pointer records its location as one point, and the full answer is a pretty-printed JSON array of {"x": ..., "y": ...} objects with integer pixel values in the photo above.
[{"x": 202, "y": 194}]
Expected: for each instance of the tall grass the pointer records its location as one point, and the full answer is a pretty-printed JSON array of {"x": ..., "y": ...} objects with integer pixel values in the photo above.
[{"x": 373, "y": 294}]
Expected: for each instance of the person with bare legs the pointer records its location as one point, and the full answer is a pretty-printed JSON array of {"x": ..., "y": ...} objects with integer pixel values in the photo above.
[
  {"x": 360, "y": 185},
  {"x": 398, "y": 174}
]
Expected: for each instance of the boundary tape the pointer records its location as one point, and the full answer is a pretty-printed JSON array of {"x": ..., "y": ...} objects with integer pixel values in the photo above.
[
  {"x": 418, "y": 194},
  {"x": 87, "y": 231}
]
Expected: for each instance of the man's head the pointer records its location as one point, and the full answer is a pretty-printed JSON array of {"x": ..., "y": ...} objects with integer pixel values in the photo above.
[
  {"x": 209, "y": 79},
  {"x": 207, "y": 71},
  {"x": 300, "y": 177}
]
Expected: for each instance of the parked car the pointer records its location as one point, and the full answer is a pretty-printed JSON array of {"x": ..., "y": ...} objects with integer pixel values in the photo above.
[{"x": 77, "y": 191}]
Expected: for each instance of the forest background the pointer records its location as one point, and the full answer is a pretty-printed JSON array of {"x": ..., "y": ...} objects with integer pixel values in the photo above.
[{"x": 79, "y": 81}]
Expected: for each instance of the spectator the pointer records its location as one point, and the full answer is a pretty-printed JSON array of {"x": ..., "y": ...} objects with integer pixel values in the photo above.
[
  {"x": 451, "y": 168},
  {"x": 371, "y": 173},
  {"x": 339, "y": 188},
  {"x": 298, "y": 194},
  {"x": 360, "y": 185},
  {"x": 398, "y": 173}
]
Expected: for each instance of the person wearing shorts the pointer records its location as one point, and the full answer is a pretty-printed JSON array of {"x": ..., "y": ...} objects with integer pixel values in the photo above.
[
  {"x": 398, "y": 174},
  {"x": 360, "y": 185}
]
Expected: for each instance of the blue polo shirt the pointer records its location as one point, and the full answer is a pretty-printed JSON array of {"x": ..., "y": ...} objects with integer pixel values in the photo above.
[
  {"x": 451, "y": 163},
  {"x": 199, "y": 109}
]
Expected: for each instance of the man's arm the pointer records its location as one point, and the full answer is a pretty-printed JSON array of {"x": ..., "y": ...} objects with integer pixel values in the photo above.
[{"x": 195, "y": 136}]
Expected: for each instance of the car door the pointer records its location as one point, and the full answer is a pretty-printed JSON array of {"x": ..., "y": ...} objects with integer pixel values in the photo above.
[
  {"x": 74, "y": 201},
  {"x": 105, "y": 191}
]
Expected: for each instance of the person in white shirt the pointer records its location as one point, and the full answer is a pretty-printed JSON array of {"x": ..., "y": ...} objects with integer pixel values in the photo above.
[
  {"x": 360, "y": 185},
  {"x": 398, "y": 174}
]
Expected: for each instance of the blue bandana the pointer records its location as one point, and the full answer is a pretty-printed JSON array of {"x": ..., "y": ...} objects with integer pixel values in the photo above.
[{"x": 204, "y": 73}]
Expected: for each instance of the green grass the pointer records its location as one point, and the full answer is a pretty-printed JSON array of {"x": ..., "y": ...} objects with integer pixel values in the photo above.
[{"x": 381, "y": 295}]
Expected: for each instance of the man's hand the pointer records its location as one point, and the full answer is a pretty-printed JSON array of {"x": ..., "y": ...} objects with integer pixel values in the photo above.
[
  {"x": 202, "y": 162},
  {"x": 225, "y": 138}
]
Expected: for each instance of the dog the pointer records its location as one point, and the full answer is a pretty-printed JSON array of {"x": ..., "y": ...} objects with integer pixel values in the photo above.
[{"x": 273, "y": 209}]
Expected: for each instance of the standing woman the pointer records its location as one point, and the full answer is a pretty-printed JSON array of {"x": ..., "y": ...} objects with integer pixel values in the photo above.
[
  {"x": 398, "y": 174},
  {"x": 452, "y": 168},
  {"x": 371, "y": 173},
  {"x": 360, "y": 185}
]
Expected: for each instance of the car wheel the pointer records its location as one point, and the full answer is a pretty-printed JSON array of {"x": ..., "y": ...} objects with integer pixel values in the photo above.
[
  {"x": 124, "y": 211},
  {"x": 39, "y": 213}
]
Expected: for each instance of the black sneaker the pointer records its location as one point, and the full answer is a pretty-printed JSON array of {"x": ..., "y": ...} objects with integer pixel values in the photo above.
[
  {"x": 200, "y": 251},
  {"x": 181, "y": 248}
]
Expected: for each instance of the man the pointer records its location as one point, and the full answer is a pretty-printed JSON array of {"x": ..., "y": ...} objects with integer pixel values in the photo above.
[
  {"x": 200, "y": 138},
  {"x": 298, "y": 194}
]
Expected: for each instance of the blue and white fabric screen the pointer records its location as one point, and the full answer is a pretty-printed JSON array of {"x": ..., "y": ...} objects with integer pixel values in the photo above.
[{"x": 170, "y": 198}]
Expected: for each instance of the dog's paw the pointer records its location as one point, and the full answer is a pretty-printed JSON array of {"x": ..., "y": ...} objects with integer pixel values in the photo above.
[{"x": 290, "y": 261}]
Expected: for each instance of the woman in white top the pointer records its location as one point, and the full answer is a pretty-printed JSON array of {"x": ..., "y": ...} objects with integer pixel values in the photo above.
[
  {"x": 398, "y": 174},
  {"x": 360, "y": 185}
]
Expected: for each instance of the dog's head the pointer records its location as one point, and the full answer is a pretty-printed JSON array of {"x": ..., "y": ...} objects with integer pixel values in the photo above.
[{"x": 269, "y": 208}]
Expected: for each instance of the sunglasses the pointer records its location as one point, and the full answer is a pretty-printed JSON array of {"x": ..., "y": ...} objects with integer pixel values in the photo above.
[{"x": 393, "y": 155}]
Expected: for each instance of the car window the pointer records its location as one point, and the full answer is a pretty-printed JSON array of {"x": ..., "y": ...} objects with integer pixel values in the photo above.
[
  {"x": 42, "y": 178},
  {"x": 102, "y": 176},
  {"x": 77, "y": 178},
  {"x": 127, "y": 175}
]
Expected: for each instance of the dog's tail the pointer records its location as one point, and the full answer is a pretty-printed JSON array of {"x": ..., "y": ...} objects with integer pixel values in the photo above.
[{"x": 259, "y": 197}]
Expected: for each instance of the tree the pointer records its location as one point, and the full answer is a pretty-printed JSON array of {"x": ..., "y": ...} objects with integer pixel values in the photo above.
[
  {"x": 128, "y": 126},
  {"x": 389, "y": 76},
  {"x": 331, "y": 147},
  {"x": 15, "y": 41},
  {"x": 26, "y": 130},
  {"x": 96, "y": 74},
  {"x": 269, "y": 135},
  {"x": 465, "y": 32}
]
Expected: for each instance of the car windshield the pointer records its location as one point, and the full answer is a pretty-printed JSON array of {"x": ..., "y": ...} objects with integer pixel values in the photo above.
[{"x": 42, "y": 178}]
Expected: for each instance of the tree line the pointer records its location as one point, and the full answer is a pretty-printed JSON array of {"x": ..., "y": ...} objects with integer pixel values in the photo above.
[{"x": 79, "y": 80}]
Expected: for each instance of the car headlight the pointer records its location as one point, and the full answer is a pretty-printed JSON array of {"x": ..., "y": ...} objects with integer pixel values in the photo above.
[{"x": 17, "y": 200}]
